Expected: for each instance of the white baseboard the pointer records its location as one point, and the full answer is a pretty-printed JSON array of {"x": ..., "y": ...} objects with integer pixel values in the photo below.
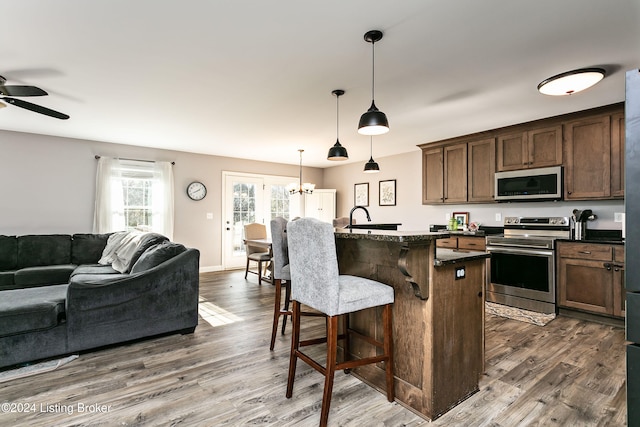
[{"x": 209, "y": 269}]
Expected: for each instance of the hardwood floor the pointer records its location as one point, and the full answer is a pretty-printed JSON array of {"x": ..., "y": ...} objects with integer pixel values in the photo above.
[{"x": 568, "y": 373}]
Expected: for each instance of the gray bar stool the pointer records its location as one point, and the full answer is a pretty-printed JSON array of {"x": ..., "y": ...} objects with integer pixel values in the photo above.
[
  {"x": 281, "y": 273},
  {"x": 317, "y": 283}
]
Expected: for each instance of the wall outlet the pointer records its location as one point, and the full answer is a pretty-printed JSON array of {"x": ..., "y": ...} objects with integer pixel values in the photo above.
[
  {"x": 499, "y": 217},
  {"x": 460, "y": 273},
  {"x": 618, "y": 217},
  {"x": 209, "y": 215},
  {"x": 447, "y": 216}
]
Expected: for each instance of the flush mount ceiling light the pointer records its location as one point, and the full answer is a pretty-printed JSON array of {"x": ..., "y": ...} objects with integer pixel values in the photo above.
[
  {"x": 371, "y": 166},
  {"x": 571, "y": 82},
  {"x": 300, "y": 187},
  {"x": 337, "y": 152},
  {"x": 374, "y": 121}
]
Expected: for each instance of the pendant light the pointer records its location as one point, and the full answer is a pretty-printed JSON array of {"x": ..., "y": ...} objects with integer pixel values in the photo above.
[
  {"x": 337, "y": 152},
  {"x": 571, "y": 82},
  {"x": 300, "y": 188},
  {"x": 374, "y": 121},
  {"x": 371, "y": 166}
]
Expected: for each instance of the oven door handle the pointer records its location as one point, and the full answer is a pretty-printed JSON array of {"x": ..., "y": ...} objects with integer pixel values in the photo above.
[
  {"x": 516, "y": 245},
  {"x": 518, "y": 250}
]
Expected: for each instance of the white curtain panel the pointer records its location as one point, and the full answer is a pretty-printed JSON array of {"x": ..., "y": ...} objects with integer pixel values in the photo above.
[
  {"x": 162, "y": 199},
  {"x": 109, "y": 209}
]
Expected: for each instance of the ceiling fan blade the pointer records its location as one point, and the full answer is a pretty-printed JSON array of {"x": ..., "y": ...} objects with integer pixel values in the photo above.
[
  {"x": 22, "y": 91},
  {"x": 36, "y": 108}
]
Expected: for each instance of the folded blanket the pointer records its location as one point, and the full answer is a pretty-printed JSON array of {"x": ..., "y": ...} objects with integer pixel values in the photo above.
[{"x": 120, "y": 249}]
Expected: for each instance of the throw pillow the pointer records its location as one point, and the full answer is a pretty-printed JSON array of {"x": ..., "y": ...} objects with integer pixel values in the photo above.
[
  {"x": 156, "y": 255},
  {"x": 146, "y": 241}
]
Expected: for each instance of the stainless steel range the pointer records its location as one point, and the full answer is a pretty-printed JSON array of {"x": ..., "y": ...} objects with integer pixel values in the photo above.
[{"x": 522, "y": 266}]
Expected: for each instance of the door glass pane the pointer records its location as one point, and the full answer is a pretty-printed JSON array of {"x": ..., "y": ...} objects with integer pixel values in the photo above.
[
  {"x": 279, "y": 202},
  {"x": 244, "y": 212}
]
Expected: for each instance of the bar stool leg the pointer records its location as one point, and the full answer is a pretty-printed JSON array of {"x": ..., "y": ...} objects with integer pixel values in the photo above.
[
  {"x": 295, "y": 345},
  {"x": 287, "y": 301},
  {"x": 388, "y": 350},
  {"x": 276, "y": 312},
  {"x": 332, "y": 351}
]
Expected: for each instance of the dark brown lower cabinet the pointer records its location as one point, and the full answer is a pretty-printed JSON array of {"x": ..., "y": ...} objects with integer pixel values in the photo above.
[{"x": 591, "y": 278}]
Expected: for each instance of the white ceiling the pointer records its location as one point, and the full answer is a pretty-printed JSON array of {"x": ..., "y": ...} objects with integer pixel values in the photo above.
[{"x": 253, "y": 78}]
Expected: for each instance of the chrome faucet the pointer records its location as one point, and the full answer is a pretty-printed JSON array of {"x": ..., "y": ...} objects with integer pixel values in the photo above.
[{"x": 351, "y": 214}]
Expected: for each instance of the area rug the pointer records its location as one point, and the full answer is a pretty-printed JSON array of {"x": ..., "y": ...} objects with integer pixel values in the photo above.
[
  {"x": 38, "y": 368},
  {"x": 514, "y": 313}
]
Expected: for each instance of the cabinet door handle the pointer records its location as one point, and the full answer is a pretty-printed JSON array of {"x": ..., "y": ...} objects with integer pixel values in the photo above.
[{"x": 607, "y": 266}]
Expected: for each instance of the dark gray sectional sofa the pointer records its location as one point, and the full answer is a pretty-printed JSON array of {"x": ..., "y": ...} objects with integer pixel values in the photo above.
[{"x": 56, "y": 299}]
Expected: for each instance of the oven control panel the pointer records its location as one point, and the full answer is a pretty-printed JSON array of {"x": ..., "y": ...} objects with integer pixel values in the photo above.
[{"x": 533, "y": 222}]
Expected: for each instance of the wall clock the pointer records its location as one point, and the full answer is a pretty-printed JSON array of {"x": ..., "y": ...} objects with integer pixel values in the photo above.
[{"x": 196, "y": 190}]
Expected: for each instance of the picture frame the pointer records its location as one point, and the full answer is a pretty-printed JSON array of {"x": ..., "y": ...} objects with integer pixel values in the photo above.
[
  {"x": 462, "y": 218},
  {"x": 387, "y": 193},
  {"x": 361, "y": 194}
]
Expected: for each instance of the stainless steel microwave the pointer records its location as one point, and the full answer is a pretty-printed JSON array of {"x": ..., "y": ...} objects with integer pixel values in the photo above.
[{"x": 529, "y": 185}]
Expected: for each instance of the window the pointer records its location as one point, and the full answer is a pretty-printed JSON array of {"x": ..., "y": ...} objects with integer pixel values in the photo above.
[{"x": 134, "y": 195}]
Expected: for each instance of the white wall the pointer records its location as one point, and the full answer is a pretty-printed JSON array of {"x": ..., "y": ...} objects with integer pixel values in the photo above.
[
  {"x": 406, "y": 169},
  {"x": 47, "y": 185}
]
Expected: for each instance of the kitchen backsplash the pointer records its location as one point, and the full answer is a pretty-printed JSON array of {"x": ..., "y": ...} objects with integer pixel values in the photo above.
[{"x": 486, "y": 214}]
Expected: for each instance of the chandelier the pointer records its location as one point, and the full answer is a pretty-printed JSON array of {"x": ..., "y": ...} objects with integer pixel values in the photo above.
[{"x": 299, "y": 187}]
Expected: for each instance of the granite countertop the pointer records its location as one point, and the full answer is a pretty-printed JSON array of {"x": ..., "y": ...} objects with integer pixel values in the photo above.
[
  {"x": 456, "y": 256},
  {"x": 608, "y": 237},
  {"x": 388, "y": 235},
  {"x": 603, "y": 240}
]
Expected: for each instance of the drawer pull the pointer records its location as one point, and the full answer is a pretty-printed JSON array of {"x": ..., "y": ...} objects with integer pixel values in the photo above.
[{"x": 585, "y": 252}]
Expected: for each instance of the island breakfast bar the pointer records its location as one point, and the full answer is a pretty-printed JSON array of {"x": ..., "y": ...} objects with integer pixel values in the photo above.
[{"x": 438, "y": 315}]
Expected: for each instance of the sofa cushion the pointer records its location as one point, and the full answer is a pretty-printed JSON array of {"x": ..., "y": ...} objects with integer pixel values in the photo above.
[
  {"x": 51, "y": 249},
  {"x": 6, "y": 280},
  {"x": 156, "y": 255},
  {"x": 94, "y": 269},
  {"x": 23, "y": 310},
  {"x": 8, "y": 252},
  {"x": 96, "y": 279},
  {"x": 147, "y": 241},
  {"x": 87, "y": 248},
  {"x": 44, "y": 275}
]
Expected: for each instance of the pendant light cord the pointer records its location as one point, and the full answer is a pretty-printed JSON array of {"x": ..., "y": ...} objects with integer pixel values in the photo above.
[
  {"x": 300, "y": 170},
  {"x": 337, "y": 117},
  {"x": 373, "y": 70}
]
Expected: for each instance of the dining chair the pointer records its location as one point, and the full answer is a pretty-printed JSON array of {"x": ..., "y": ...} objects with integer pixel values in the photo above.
[
  {"x": 341, "y": 222},
  {"x": 255, "y": 253},
  {"x": 317, "y": 283}
]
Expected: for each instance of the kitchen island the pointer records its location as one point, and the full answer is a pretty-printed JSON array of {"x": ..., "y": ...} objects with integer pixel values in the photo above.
[{"x": 438, "y": 315}]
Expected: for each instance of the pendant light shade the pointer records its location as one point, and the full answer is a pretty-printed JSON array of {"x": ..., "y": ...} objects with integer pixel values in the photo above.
[
  {"x": 571, "y": 82},
  {"x": 371, "y": 166},
  {"x": 373, "y": 121},
  {"x": 337, "y": 152}
]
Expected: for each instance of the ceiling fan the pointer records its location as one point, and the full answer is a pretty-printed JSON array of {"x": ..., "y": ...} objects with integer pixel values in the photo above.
[{"x": 7, "y": 92}]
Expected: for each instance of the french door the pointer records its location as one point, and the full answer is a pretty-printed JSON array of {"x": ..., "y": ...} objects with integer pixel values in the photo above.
[{"x": 251, "y": 198}]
